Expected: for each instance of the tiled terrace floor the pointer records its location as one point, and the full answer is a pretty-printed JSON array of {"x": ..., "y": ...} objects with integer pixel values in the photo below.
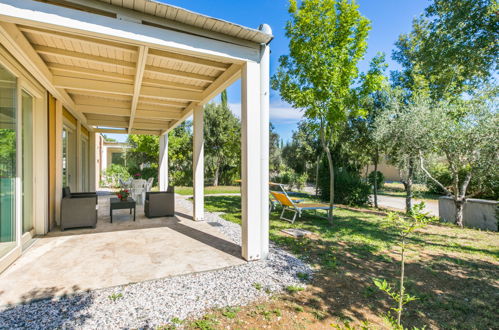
[{"x": 116, "y": 254}]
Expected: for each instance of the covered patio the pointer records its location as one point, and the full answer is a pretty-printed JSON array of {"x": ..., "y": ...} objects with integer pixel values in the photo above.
[
  {"x": 129, "y": 67},
  {"x": 117, "y": 253}
]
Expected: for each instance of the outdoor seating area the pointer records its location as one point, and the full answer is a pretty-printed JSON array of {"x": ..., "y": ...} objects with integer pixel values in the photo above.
[{"x": 117, "y": 253}]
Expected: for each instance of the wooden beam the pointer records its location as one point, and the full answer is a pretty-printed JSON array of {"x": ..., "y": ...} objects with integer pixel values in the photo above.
[
  {"x": 93, "y": 85},
  {"x": 101, "y": 102},
  {"x": 164, "y": 83},
  {"x": 158, "y": 107},
  {"x": 82, "y": 56},
  {"x": 151, "y": 125},
  {"x": 78, "y": 38},
  {"x": 223, "y": 81},
  {"x": 100, "y": 95},
  {"x": 100, "y": 86},
  {"x": 177, "y": 73},
  {"x": 111, "y": 131},
  {"x": 62, "y": 69},
  {"x": 15, "y": 41},
  {"x": 169, "y": 93},
  {"x": 189, "y": 59},
  {"x": 139, "y": 74},
  {"x": 97, "y": 109},
  {"x": 145, "y": 132},
  {"x": 125, "y": 111},
  {"x": 157, "y": 114},
  {"x": 170, "y": 103},
  {"x": 108, "y": 123}
]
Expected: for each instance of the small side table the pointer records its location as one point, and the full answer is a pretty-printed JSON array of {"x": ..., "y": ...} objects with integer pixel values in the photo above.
[{"x": 118, "y": 204}]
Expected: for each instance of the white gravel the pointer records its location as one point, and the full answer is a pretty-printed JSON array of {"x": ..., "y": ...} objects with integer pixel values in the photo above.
[{"x": 153, "y": 303}]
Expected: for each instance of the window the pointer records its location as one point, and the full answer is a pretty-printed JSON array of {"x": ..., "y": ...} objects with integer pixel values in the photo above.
[{"x": 8, "y": 160}]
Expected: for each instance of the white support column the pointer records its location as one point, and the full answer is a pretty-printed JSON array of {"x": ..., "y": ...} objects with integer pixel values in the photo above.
[
  {"x": 79, "y": 169},
  {"x": 58, "y": 160},
  {"x": 264, "y": 134},
  {"x": 163, "y": 163},
  {"x": 198, "y": 163},
  {"x": 92, "y": 162},
  {"x": 251, "y": 201}
]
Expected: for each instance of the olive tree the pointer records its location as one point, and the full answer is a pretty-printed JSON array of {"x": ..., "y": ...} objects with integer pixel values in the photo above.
[
  {"x": 466, "y": 134},
  {"x": 394, "y": 130}
]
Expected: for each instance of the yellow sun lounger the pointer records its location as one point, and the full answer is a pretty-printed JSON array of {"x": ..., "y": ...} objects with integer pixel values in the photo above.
[
  {"x": 273, "y": 202},
  {"x": 296, "y": 208}
]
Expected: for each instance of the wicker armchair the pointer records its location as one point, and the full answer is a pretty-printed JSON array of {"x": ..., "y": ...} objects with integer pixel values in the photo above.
[
  {"x": 160, "y": 204},
  {"x": 78, "y": 209}
]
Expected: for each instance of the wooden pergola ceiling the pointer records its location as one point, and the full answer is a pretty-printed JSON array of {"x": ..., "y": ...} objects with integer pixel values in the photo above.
[{"x": 134, "y": 89}]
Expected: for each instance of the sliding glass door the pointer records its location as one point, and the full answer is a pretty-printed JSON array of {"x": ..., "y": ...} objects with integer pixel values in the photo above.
[{"x": 8, "y": 160}]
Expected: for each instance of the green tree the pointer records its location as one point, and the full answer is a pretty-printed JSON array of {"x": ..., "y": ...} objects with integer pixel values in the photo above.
[
  {"x": 466, "y": 134},
  {"x": 275, "y": 151},
  {"x": 327, "y": 40},
  {"x": 368, "y": 148},
  {"x": 222, "y": 141},
  {"x": 300, "y": 154},
  {"x": 395, "y": 131},
  {"x": 144, "y": 150},
  {"x": 180, "y": 155},
  {"x": 452, "y": 48}
]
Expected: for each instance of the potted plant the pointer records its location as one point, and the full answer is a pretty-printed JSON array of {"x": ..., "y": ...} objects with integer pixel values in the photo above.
[{"x": 123, "y": 194}]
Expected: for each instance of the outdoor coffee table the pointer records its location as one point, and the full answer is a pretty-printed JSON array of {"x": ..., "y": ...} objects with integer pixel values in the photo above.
[{"x": 118, "y": 204}]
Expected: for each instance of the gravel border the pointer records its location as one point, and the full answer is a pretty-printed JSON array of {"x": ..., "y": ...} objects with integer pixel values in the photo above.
[{"x": 153, "y": 303}]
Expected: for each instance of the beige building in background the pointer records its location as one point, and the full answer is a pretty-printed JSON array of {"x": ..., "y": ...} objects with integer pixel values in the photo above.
[{"x": 390, "y": 172}]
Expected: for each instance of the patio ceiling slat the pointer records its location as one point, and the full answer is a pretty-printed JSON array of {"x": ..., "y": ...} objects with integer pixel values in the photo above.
[
  {"x": 81, "y": 56},
  {"x": 177, "y": 73},
  {"x": 79, "y": 39},
  {"x": 189, "y": 59}
]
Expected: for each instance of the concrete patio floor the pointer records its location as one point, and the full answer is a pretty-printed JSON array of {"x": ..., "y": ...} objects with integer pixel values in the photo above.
[{"x": 115, "y": 254}]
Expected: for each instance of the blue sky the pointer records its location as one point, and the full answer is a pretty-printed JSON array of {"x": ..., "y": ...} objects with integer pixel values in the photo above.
[{"x": 389, "y": 18}]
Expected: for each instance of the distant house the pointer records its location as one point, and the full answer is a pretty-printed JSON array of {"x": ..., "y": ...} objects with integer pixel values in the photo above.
[{"x": 110, "y": 152}]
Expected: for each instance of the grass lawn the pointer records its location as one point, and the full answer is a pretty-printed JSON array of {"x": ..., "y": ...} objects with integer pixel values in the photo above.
[
  {"x": 210, "y": 190},
  {"x": 453, "y": 272}
]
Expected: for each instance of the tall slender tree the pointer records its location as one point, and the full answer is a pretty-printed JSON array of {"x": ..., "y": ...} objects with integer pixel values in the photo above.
[{"x": 328, "y": 38}]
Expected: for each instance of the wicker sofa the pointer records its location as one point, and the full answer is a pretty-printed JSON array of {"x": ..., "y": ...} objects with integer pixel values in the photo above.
[{"x": 160, "y": 204}]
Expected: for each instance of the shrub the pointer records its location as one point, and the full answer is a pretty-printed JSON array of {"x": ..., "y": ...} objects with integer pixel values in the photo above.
[
  {"x": 486, "y": 188},
  {"x": 291, "y": 178},
  {"x": 349, "y": 188},
  {"x": 113, "y": 173},
  {"x": 380, "y": 178}
]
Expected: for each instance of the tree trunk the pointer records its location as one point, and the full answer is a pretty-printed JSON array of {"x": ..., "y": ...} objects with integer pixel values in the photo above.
[
  {"x": 216, "y": 175},
  {"x": 376, "y": 183},
  {"x": 459, "y": 211},
  {"x": 317, "y": 177},
  {"x": 325, "y": 146},
  {"x": 408, "y": 187},
  {"x": 331, "y": 185}
]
